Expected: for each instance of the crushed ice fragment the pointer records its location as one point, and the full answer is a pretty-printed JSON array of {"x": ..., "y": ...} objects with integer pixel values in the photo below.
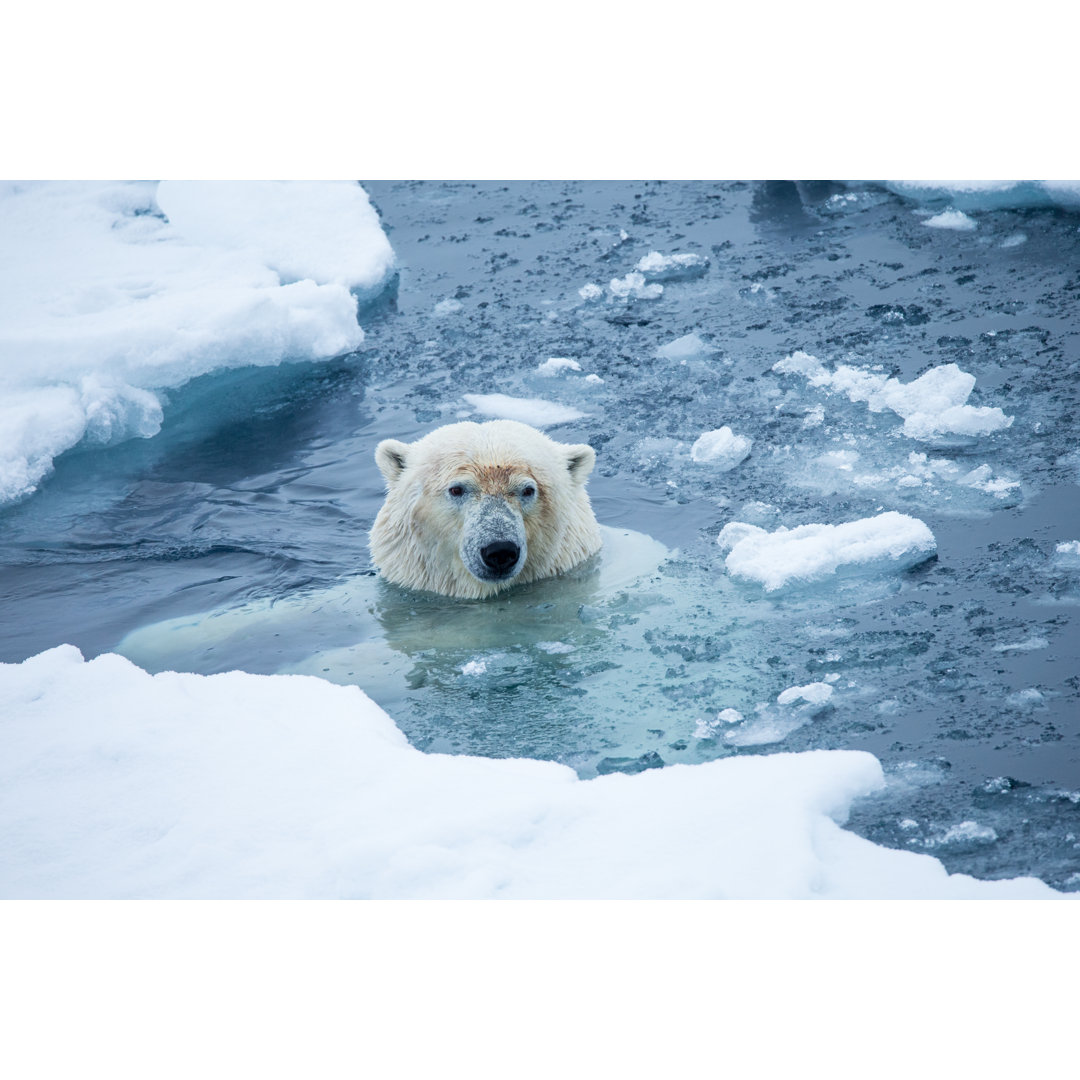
[
  {"x": 590, "y": 292},
  {"x": 1027, "y": 645},
  {"x": 687, "y": 347},
  {"x": 721, "y": 448},
  {"x": 448, "y": 307},
  {"x": 535, "y": 411},
  {"x": 888, "y": 542},
  {"x": 557, "y": 365},
  {"x": 951, "y": 219},
  {"x": 658, "y": 267},
  {"x": 816, "y": 693},
  {"x": 932, "y": 405},
  {"x": 1028, "y": 698},
  {"x": 633, "y": 287}
]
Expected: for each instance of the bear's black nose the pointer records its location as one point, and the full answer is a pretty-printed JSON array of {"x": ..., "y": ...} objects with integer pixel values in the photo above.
[{"x": 500, "y": 556}]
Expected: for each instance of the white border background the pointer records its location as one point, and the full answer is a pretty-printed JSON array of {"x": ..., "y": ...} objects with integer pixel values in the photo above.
[{"x": 519, "y": 990}]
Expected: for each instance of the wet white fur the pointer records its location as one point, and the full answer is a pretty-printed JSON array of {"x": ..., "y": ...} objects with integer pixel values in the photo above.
[{"x": 418, "y": 534}]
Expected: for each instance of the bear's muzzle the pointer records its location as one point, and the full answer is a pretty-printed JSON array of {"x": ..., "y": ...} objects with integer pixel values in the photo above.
[{"x": 493, "y": 544}]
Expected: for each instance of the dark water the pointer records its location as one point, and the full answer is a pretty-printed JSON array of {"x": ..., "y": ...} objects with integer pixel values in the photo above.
[{"x": 261, "y": 486}]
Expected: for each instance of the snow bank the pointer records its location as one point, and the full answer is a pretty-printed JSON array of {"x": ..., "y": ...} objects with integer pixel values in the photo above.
[
  {"x": 722, "y": 448},
  {"x": 110, "y": 292},
  {"x": 932, "y": 405},
  {"x": 886, "y": 543},
  {"x": 535, "y": 411},
  {"x": 116, "y": 783},
  {"x": 990, "y": 194}
]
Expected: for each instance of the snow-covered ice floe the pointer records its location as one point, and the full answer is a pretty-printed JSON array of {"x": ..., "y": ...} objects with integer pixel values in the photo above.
[
  {"x": 658, "y": 267},
  {"x": 887, "y": 543},
  {"x": 933, "y": 405},
  {"x": 115, "y": 783},
  {"x": 112, "y": 292},
  {"x": 990, "y": 194}
]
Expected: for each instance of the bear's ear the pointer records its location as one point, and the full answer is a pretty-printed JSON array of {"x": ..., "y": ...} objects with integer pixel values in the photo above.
[
  {"x": 580, "y": 460},
  {"x": 390, "y": 457}
]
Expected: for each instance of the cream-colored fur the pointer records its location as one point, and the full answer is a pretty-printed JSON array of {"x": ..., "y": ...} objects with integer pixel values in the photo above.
[{"x": 418, "y": 535}]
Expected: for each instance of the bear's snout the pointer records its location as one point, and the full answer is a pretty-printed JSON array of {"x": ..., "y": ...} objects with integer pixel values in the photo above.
[{"x": 500, "y": 557}]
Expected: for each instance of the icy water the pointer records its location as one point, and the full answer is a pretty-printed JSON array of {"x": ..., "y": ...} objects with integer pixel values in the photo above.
[{"x": 962, "y": 674}]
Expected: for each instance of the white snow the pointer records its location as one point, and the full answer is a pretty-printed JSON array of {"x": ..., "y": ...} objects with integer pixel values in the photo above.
[
  {"x": 104, "y": 302},
  {"x": 956, "y": 220},
  {"x": 722, "y": 449},
  {"x": 557, "y": 365},
  {"x": 633, "y": 286},
  {"x": 932, "y": 405},
  {"x": 887, "y": 543},
  {"x": 118, "y": 784},
  {"x": 535, "y": 411}
]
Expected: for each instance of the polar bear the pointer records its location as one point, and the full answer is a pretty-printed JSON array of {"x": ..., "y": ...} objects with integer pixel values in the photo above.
[{"x": 474, "y": 508}]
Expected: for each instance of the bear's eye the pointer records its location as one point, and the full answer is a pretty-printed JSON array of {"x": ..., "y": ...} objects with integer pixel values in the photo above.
[
  {"x": 457, "y": 490},
  {"x": 528, "y": 491}
]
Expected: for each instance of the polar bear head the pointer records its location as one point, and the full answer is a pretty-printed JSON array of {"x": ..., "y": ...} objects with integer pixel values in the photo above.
[{"x": 473, "y": 508}]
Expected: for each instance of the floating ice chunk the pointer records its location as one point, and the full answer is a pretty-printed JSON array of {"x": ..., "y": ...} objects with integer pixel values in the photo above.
[
  {"x": 105, "y": 301},
  {"x": 816, "y": 693},
  {"x": 1028, "y": 698},
  {"x": 594, "y": 380},
  {"x": 886, "y": 543},
  {"x": 449, "y": 306},
  {"x": 721, "y": 448},
  {"x": 1067, "y": 554},
  {"x": 932, "y": 405},
  {"x": 555, "y": 648},
  {"x": 687, "y": 347},
  {"x": 1027, "y": 645},
  {"x": 557, "y": 365},
  {"x": 533, "y": 411},
  {"x": 1014, "y": 240},
  {"x": 590, "y": 292},
  {"x": 633, "y": 286},
  {"x": 982, "y": 477},
  {"x": 729, "y": 716},
  {"x": 474, "y": 667},
  {"x": 956, "y": 220},
  {"x": 966, "y": 832},
  {"x": 307, "y": 789},
  {"x": 657, "y": 267},
  {"x": 764, "y": 730}
]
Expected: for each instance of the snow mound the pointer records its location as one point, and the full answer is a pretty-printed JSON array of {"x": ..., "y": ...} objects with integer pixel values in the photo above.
[
  {"x": 110, "y": 292},
  {"x": 118, "y": 784},
  {"x": 535, "y": 411},
  {"x": 721, "y": 448},
  {"x": 886, "y": 543},
  {"x": 931, "y": 406}
]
